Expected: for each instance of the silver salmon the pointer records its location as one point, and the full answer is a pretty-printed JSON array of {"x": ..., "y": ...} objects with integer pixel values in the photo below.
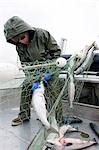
[
  {"x": 62, "y": 143},
  {"x": 39, "y": 104},
  {"x": 87, "y": 62},
  {"x": 71, "y": 144},
  {"x": 81, "y": 56},
  {"x": 77, "y": 144}
]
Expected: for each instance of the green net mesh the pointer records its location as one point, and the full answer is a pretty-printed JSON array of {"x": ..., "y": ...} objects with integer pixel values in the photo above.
[
  {"x": 55, "y": 90},
  {"x": 52, "y": 87}
]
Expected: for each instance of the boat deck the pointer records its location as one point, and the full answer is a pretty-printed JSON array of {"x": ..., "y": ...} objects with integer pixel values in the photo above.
[{"x": 19, "y": 137}]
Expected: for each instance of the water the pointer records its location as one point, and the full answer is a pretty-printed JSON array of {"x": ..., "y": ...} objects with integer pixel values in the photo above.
[{"x": 14, "y": 83}]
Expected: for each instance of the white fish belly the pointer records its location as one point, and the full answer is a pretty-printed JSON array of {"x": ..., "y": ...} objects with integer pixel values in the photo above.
[{"x": 38, "y": 102}]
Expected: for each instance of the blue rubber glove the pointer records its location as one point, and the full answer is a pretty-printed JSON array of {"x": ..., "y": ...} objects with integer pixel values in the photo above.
[
  {"x": 35, "y": 85},
  {"x": 46, "y": 76}
]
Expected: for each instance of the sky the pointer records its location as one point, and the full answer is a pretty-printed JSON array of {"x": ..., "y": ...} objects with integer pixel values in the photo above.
[{"x": 75, "y": 20}]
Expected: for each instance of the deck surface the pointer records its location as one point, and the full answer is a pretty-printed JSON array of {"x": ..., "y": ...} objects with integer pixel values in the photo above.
[{"x": 19, "y": 137}]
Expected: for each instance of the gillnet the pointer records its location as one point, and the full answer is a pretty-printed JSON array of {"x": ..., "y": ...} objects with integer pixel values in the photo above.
[{"x": 56, "y": 90}]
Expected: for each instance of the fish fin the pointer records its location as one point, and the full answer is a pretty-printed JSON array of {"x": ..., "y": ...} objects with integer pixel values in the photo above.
[{"x": 83, "y": 134}]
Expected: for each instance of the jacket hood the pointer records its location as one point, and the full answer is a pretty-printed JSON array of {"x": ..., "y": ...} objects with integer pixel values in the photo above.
[{"x": 15, "y": 26}]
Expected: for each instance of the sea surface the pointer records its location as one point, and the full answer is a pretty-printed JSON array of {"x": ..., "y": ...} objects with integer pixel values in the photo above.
[{"x": 14, "y": 83}]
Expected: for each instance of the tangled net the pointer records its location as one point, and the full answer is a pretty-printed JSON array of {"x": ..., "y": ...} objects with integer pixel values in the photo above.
[{"x": 56, "y": 90}]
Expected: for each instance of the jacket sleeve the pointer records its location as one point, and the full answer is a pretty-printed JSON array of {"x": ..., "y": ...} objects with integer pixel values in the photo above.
[
  {"x": 51, "y": 45},
  {"x": 21, "y": 53}
]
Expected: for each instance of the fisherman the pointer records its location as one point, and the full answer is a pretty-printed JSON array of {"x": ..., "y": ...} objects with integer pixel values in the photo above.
[{"x": 31, "y": 44}]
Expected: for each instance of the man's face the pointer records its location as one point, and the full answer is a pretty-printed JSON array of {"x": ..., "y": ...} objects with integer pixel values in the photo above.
[{"x": 21, "y": 38}]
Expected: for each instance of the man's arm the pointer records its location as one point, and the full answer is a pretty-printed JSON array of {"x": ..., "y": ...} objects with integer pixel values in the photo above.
[{"x": 51, "y": 45}]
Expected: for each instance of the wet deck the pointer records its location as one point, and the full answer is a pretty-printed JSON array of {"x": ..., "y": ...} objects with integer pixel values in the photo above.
[
  {"x": 84, "y": 127},
  {"x": 87, "y": 114},
  {"x": 18, "y": 138}
]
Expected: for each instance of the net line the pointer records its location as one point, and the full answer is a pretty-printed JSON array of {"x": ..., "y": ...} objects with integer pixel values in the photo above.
[
  {"x": 60, "y": 88},
  {"x": 55, "y": 91}
]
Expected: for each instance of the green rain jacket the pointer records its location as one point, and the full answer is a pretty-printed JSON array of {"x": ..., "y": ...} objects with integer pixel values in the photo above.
[{"x": 42, "y": 45}]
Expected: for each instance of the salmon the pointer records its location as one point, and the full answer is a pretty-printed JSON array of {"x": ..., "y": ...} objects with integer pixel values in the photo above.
[
  {"x": 39, "y": 105},
  {"x": 77, "y": 144},
  {"x": 87, "y": 62},
  {"x": 61, "y": 143},
  {"x": 81, "y": 56},
  {"x": 70, "y": 144}
]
